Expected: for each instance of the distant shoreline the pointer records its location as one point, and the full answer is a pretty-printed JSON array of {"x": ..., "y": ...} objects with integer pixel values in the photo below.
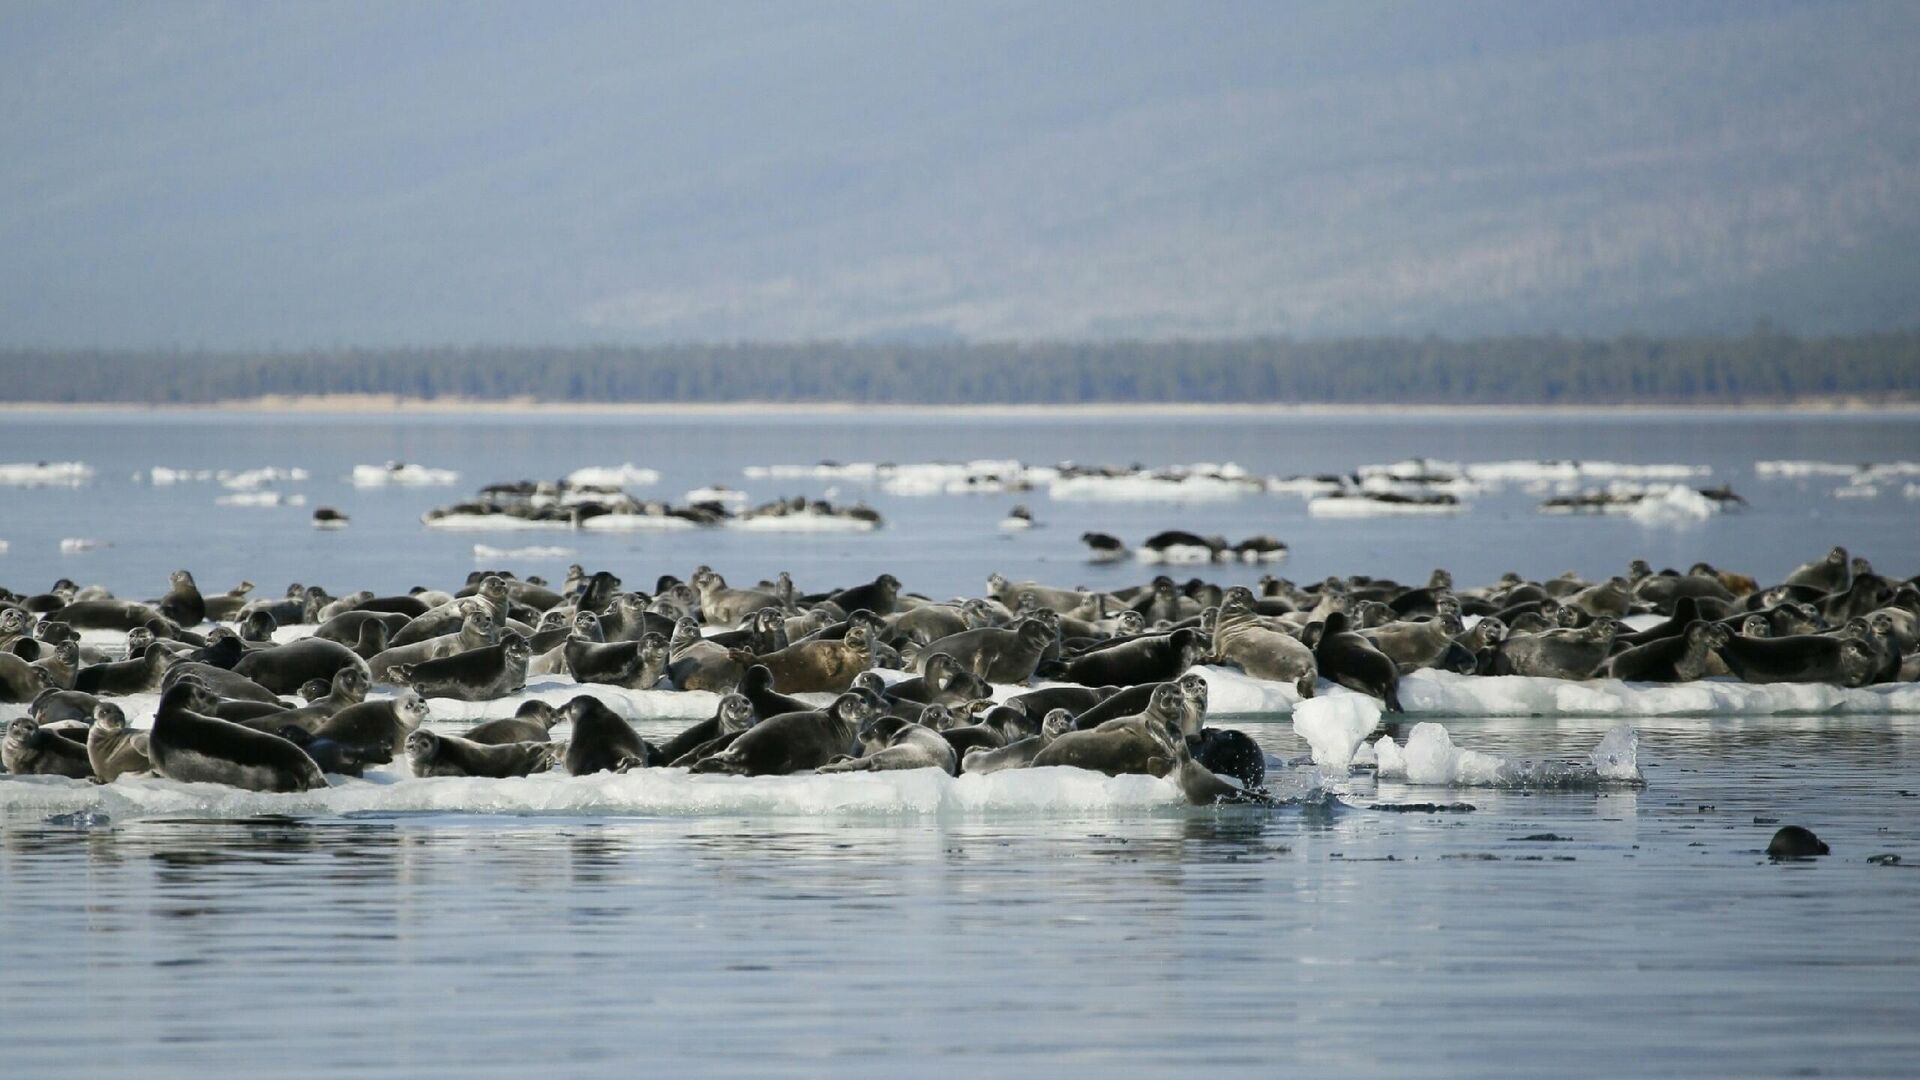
[{"x": 395, "y": 405}]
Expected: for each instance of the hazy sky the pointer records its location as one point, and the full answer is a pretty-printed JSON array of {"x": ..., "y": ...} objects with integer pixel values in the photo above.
[{"x": 253, "y": 174}]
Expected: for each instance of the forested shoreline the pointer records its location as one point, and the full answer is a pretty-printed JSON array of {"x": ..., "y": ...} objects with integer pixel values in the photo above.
[{"x": 1757, "y": 368}]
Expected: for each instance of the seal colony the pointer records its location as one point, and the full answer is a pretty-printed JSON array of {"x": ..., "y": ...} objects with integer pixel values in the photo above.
[{"x": 864, "y": 676}]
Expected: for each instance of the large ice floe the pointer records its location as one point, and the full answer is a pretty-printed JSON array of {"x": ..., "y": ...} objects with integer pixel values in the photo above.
[
  {"x": 45, "y": 474},
  {"x": 613, "y": 476}
]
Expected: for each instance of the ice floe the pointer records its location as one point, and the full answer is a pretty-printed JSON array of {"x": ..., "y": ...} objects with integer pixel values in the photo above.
[
  {"x": 1431, "y": 757},
  {"x": 45, "y": 474},
  {"x": 402, "y": 474},
  {"x": 483, "y": 552},
  {"x": 613, "y": 476}
]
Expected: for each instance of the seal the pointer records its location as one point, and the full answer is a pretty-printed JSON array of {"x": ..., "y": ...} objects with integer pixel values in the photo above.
[
  {"x": 1020, "y": 753},
  {"x": 1345, "y": 657},
  {"x": 120, "y": 615},
  {"x": 1672, "y": 659},
  {"x": 55, "y": 706},
  {"x": 942, "y": 682},
  {"x": 380, "y": 727},
  {"x": 20, "y": 681},
  {"x": 891, "y": 743},
  {"x": 725, "y": 607},
  {"x": 816, "y": 667},
  {"x": 30, "y": 750},
  {"x": 796, "y": 741},
  {"x": 1074, "y": 699},
  {"x": 1795, "y": 842},
  {"x": 113, "y": 749},
  {"x": 757, "y": 687},
  {"x": 1151, "y": 659},
  {"x": 1229, "y": 752},
  {"x": 189, "y": 746},
  {"x": 283, "y": 669},
  {"x": 477, "y": 630},
  {"x": 1242, "y": 637},
  {"x": 636, "y": 665},
  {"x": 734, "y": 715},
  {"x": 1557, "y": 654},
  {"x": 1802, "y": 658},
  {"x": 698, "y": 664},
  {"x": 348, "y": 687},
  {"x": 220, "y": 682},
  {"x": 1003, "y": 656},
  {"x": 484, "y": 674},
  {"x": 122, "y": 677},
  {"x": 183, "y": 603},
  {"x": 532, "y": 722},
  {"x": 1830, "y": 574},
  {"x": 432, "y": 754},
  {"x": 446, "y": 618},
  {"x": 602, "y": 741},
  {"x": 1415, "y": 645},
  {"x": 228, "y": 604},
  {"x": 1143, "y": 743}
]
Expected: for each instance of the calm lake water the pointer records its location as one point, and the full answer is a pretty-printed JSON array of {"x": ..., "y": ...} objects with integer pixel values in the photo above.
[{"x": 1647, "y": 936}]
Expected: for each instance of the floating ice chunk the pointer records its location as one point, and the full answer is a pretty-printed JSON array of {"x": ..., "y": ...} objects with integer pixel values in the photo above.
[
  {"x": 1431, "y": 757},
  {"x": 482, "y": 552},
  {"x": 1150, "y": 488},
  {"x": 1336, "y": 726},
  {"x": 3, "y": 547},
  {"x": 1232, "y": 692},
  {"x": 74, "y": 545},
  {"x": 1390, "y": 763},
  {"x": 801, "y": 522},
  {"x": 252, "y": 479},
  {"x": 491, "y": 522},
  {"x": 725, "y": 496},
  {"x": 636, "y": 523},
  {"x": 45, "y": 474},
  {"x": 1857, "y": 490},
  {"x": 628, "y": 475},
  {"x": 260, "y": 498},
  {"x": 1674, "y": 505},
  {"x": 398, "y": 474},
  {"x": 161, "y": 476},
  {"x": 1535, "y": 471},
  {"x": 1863, "y": 473},
  {"x": 1363, "y": 506}
]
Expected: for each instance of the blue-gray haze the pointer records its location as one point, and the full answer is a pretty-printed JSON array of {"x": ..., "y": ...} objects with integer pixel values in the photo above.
[{"x": 244, "y": 175}]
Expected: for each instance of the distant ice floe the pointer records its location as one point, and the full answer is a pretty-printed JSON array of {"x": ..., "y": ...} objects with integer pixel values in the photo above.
[
  {"x": 620, "y": 522},
  {"x": 1430, "y": 757},
  {"x": 463, "y": 522},
  {"x": 1510, "y": 472},
  {"x": 231, "y": 479},
  {"x": 804, "y": 521},
  {"x": 1863, "y": 471},
  {"x": 1177, "y": 483},
  {"x": 260, "y": 498},
  {"x": 483, "y": 552},
  {"x": 400, "y": 474},
  {"x": 45, "y": 474},
  {"x": 613, "y": 476},
  {"x": 76, "y": 545},
  {"x": 4, "y": 547},
  {"x": 1355, "y": 506},
  {"x": 728, "y": 497}
]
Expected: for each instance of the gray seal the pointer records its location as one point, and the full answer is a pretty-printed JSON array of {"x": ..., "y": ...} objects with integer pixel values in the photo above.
[
  {"x": 532, "y": 722},
  {"x": 1243, "y": 637},
  {"x": 1345, "y": 657},
  {"x": 1802, "y": 658},
  {"x": 432, "y": 754},
  {"x": 477, "y": 675},
  {"x": 381, "y": 725},
  {"x": 122, "y": 677},
  {"x": 1132, "y": 744},
  {"x": 733, "y": 715},
  {"x": 283, "y": 669},
  {"x": 794, "y": 742},
  {"x": 1002, "y": 656},
  {"x": 816, "y": 667},
  {"x": 1673, "y": 659},
  {"x": 1152, "y": 659},
  {"x": 636, "y": 665},
  {"x": 1020, "y": 753},
  {"x": 31, "y": 750},
  {"x": 189, "y": 746},
  {"x": 602, "y": 741},
  {"x": 1557, "y": 654},
  {"x": 890, "y": 743},
  {"x": 114, "y": 749}
]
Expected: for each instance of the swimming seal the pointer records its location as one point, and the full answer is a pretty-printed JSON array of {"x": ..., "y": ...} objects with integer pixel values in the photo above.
[{"x": 1794, "y": 842}]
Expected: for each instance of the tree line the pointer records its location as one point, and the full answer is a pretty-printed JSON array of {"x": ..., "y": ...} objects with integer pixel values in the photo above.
[{"x": 1759, "y": 367}]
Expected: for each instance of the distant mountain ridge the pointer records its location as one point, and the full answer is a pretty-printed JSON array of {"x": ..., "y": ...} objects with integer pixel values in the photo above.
[
  {"x": 1763, "y": 367},
  {"x": 284, "y": 176}
]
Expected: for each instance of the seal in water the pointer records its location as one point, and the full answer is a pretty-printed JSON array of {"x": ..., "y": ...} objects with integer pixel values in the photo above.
[
  {"x": 1794, "y": 842},
  {"x": 190, "y": 746},
  {"x": 433, "y": 754}
]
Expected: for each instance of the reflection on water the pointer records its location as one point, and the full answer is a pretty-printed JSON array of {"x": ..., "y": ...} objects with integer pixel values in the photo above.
[{"x": 1649, "y": 930}]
